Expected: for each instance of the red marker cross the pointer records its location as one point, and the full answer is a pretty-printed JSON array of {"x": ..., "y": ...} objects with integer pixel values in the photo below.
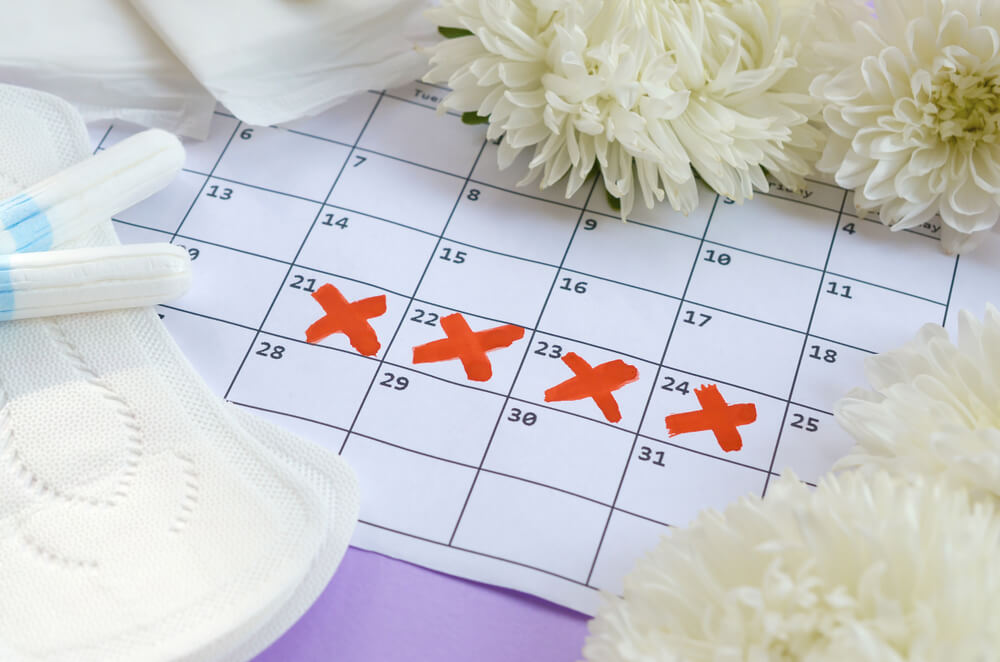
[
  {"x": 594, "y": 382},
  {"x": 468, "y": 346},
  {"x": 715, "y": 415},
  {"x": 348, "y": 318}
]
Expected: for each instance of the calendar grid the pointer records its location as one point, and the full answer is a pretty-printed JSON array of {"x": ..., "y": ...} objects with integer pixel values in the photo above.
[
  {"x": 486, "y": 465},
  {"x": 581, "y": 273},
  {"x": 204, "y": 184},
  {"x": 805, "y": 342},
  {"x": 499, "y": 321},
  {"x": 319, "y": 212},
  {"x": 524, "y": 356},
  {"x": 520, "y": 401},
  {"x": 592, "y": 212},
  {"x": 653, "y": 387},
  {"x": 412, "y": 296},
  {"x": 494, "y": 471}
]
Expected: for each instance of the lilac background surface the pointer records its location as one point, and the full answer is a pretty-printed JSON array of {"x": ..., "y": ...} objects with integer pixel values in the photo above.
[{"x": 378, "y": 609}]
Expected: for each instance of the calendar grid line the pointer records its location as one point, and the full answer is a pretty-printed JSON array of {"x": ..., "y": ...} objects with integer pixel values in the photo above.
[
  {"x": 652, "y": 388},
  {"x": 384, "y": 220},
  {"x": 206, "y": 316},
  {"x": 714, "y": 380},
  {"x": 306, "y": 134},
  {"x": 288, "y": 414},
  {"x": 443, "y": 88},
  {"x": 530, "y": 196},
  {"x": 319, "y": 212},
  {"x": 878, "y": 222},
  {"x": 477, "y": 553},
  {"x": 802, "y": 351},
  {"x": 416, "y": 288},
  {"x": 842, "y": 344},
  {"x": 645, "y": 517},
  {"x": 140, "y": 227},
  {"x": 951, "y": 288},
  {"x": 524, "y": 356},
  {"x": 763, "y": 255},
  {"x": 201, "y": 189},
  {"x": 539, "y": 484},
  {"x": 100, "y": 143},
  {"x": 412, "y": 163},
  {"x": 702, "y": 453},
  {"x": 258, "y": 187},
  {"x": 884, "y": 287}
]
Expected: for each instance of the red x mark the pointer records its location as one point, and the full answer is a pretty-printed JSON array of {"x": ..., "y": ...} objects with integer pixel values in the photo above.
[
  {"x": 597, "y": 383},
  {"x": 348, "y": 318},
  {"x": 467, "y": 345},
  {"x": 715, "y": 415}
]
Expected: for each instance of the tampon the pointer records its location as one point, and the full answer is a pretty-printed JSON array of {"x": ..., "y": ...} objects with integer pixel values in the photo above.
[
  {"x": 82, "y": 280},
  {"x": 69, "y": 203}
]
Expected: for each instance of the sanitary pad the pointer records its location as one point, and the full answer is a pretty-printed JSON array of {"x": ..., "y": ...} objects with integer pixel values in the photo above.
[{"x": 140, "y": 517}]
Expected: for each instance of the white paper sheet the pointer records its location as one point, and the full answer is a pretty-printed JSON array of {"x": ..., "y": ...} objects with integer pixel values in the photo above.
[{"x": 777, "y": 302}]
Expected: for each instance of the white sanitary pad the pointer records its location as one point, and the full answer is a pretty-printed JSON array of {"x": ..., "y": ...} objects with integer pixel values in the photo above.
[{"x": 140, "y": 517}]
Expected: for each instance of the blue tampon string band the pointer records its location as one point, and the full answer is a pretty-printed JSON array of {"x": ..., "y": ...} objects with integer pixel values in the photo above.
[
  {"x": 25, "y": 221},
  {"x": 6, "y": 290}
]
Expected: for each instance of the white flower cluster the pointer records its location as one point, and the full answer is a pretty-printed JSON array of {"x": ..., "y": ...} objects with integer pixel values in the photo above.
[
  {"x": 865, "y": 570},
  {"x": 901, "y": 104},
  {"x": 892, "y": 559},
  {"x": 914, "y": 115},
  {"x": 935, "y": 408},
  {"x": 650, "y": 91}
]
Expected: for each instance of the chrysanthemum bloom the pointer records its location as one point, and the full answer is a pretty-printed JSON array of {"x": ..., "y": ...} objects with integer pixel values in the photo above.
[
  {"x": 652, "y": 91},
  {"x": 914, "y": 115},
  {"x": 935, "y": 408},
  {"x": 863, "y": 569}
]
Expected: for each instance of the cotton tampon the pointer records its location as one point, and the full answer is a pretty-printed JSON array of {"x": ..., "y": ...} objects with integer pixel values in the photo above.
[
  {"x": 89, "y": 279},
  {"x": 69, "y": 203}
]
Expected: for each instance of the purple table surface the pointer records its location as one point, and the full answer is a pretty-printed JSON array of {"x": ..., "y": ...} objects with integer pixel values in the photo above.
[{"x": 378, "y": 609}]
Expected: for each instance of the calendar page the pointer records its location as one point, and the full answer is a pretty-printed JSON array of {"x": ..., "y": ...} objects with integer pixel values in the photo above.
[{"x": 531, "y": 390}]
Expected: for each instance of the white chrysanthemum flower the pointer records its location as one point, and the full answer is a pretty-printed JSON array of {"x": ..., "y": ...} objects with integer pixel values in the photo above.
[
  {"x": 821, "y": 26},
  {"x": 935, "y": 408},
  {"x": 865, "y": 569},
  {"x": 651, "y": 91},
  {"x": 914, "y": 115}
]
